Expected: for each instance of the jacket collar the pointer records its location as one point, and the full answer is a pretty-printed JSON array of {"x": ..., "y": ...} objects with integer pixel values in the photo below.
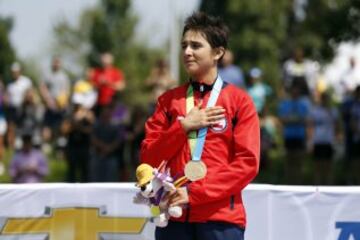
[{"x": 201, "y": 87}]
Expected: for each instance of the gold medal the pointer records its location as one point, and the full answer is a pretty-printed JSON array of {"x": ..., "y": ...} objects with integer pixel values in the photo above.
[{"x": 195, "y": 170}]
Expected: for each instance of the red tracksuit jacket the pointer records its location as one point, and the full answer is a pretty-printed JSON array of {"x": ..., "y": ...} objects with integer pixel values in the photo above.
[{"x": 231, "y": 151}]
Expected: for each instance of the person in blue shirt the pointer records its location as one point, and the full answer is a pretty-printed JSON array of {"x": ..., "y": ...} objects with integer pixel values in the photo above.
[
  {"x": 293, "y": 113},
  {"x": 257, "y": 89},
  {"x": 230, "y": 72}
]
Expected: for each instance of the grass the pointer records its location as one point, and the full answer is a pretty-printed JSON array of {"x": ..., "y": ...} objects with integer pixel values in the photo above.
[{"x": 273, "y": 174}]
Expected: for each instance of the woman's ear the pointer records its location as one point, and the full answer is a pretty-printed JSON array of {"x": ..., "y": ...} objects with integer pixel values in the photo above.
[{"x": 219, "y": 53}]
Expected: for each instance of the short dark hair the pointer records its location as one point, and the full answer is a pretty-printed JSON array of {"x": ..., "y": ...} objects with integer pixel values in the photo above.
[
  {"x": 26, "y": 137},
  {"x": 214, "y": 29}
]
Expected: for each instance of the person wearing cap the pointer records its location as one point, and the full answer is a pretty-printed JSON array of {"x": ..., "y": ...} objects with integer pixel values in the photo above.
[
  {"x": 257, "y": 89},
  {"x": 76, "y": 129},
  {"x": 83, "y": 92},
  {"x": 16, "y": 92},
  {"x": 212, "y": 204}
]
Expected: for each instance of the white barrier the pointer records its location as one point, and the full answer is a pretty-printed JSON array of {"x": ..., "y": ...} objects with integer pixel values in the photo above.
[
  {"x": 302, "y": 213},
  {"x": 106, "y": 211}
]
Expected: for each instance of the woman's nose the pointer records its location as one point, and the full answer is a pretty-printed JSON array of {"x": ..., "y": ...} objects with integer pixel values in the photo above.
[{"x": 187, "y": 50}]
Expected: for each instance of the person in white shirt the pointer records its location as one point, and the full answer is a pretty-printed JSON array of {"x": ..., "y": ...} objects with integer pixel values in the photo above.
[
  {"x": 349, "y": 80},
  {"x": 16, "y": 92},
  {"x": 301, "y": 71},
  {"x": 17, "y": 89}
]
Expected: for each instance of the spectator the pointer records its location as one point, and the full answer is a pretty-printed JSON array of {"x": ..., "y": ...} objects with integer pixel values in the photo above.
[
  {"x": 78, "y": 129},
  {"x": 293, "y": 113},
  {"x": 105, "y": 142},
  {"x": 323, "y": 124},
  {"x": 229, "y": 72},
  {"x": 28, "y": 165},
  {"x": 257, "y": 89},
  {"x": 346, "y": 115},
  {"x": 160, "y": 80},
  {"x": 136, "y": 134},
  {"x": 302, "y": 72},
  {"x": 107, "y": 80},
  {"x": 84, "y": 93},
  {"x": 121, "y": 119},
  {"x": 349, "y": 81},
  {"x": 269, "y": 130},
  {"x": 15, "y": 95},
  {"x": 355, "y": 128},
  {"x": 55, "y": 90},
  {"x": 3, "y": 128},
  {"x": 30, "y": 119}
]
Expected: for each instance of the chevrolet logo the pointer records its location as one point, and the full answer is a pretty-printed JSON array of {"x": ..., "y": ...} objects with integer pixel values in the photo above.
[{"x": 73, "y": 224}]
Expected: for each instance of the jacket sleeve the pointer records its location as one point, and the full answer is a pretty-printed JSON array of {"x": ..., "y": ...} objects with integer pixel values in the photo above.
[
  {"x": 162, "y": 139},
  {"x": 245, "y": 163}
]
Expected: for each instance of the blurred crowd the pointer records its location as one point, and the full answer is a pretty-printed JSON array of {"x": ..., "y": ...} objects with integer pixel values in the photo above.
[
  {"x": 311, "y": 125},
  {"x": 84, "y": 123},
  {"x": 306, "y": 123}
]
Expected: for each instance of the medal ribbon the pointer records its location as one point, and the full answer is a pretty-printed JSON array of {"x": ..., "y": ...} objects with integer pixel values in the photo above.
[{"x": 197, "y": 142}]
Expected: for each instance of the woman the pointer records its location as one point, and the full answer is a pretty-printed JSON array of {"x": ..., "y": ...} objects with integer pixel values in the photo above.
[{"x": 213, "y": 207}]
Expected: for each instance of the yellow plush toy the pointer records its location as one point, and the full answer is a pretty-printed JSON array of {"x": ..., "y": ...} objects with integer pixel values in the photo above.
[{"x": 154, "y": 184}]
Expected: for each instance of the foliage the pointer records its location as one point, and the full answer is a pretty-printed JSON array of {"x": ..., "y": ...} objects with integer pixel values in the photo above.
[
  {"x": 257, "y": 29},
  {"x": 327, "y": 23},
  {"x": 7, "y": 53},
  {"x": 265, "y": 32},
  {"x": 108, "y": 27}
]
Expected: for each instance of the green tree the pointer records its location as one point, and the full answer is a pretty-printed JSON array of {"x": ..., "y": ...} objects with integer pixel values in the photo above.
[
  {"x": 109, "y": 27},
  {"x": 264, "y": 32},
  {"x": 257, "y": 31},
  {"x": 327, "y": 23},
  {"x": 7, "y": 53}
]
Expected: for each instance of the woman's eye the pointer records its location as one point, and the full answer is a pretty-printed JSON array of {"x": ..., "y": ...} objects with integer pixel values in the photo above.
[{"x": 195, "y": 45}]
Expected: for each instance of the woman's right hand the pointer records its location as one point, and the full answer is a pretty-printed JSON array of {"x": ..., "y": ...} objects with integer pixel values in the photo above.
[{"x": 199, "y": 118}]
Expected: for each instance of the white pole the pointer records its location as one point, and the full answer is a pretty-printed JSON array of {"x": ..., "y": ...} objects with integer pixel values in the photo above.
[{"x": 174, "y": 41}]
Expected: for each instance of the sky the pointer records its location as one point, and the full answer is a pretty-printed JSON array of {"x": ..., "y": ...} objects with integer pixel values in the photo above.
[{"x": 34, "y": 19}]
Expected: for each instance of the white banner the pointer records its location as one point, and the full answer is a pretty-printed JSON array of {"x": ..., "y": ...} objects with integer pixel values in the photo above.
[{"x": 106, "y": 211}]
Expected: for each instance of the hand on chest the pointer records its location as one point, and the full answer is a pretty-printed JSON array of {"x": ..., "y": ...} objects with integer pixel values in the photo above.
[{"x": 223, "y": 126}]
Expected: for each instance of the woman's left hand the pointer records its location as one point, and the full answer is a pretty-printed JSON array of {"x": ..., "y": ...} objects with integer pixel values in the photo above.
[{"x": 179, "y": 197}]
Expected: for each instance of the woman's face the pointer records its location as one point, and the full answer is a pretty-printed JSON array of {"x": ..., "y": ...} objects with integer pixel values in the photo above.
[{"x": 198, "y": 55}]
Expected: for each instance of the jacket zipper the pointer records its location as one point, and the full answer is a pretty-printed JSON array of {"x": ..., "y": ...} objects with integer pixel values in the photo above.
[
  {"x": 232, "y": 201},
  {"x": 187, "y": 217}
]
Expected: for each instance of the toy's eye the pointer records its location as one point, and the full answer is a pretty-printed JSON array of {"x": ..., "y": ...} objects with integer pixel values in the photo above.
[{"x": 143, "y": 187}]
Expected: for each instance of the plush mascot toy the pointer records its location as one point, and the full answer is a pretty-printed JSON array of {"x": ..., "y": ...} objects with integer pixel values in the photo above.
[{"x": 154, "y": 184}]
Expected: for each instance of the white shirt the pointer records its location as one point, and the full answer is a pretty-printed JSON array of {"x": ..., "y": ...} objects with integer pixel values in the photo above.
[
  {"x": 308, "y": 69},
  {"x": 17, "y": 90},
  {"x": 351, "y": 80}
]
